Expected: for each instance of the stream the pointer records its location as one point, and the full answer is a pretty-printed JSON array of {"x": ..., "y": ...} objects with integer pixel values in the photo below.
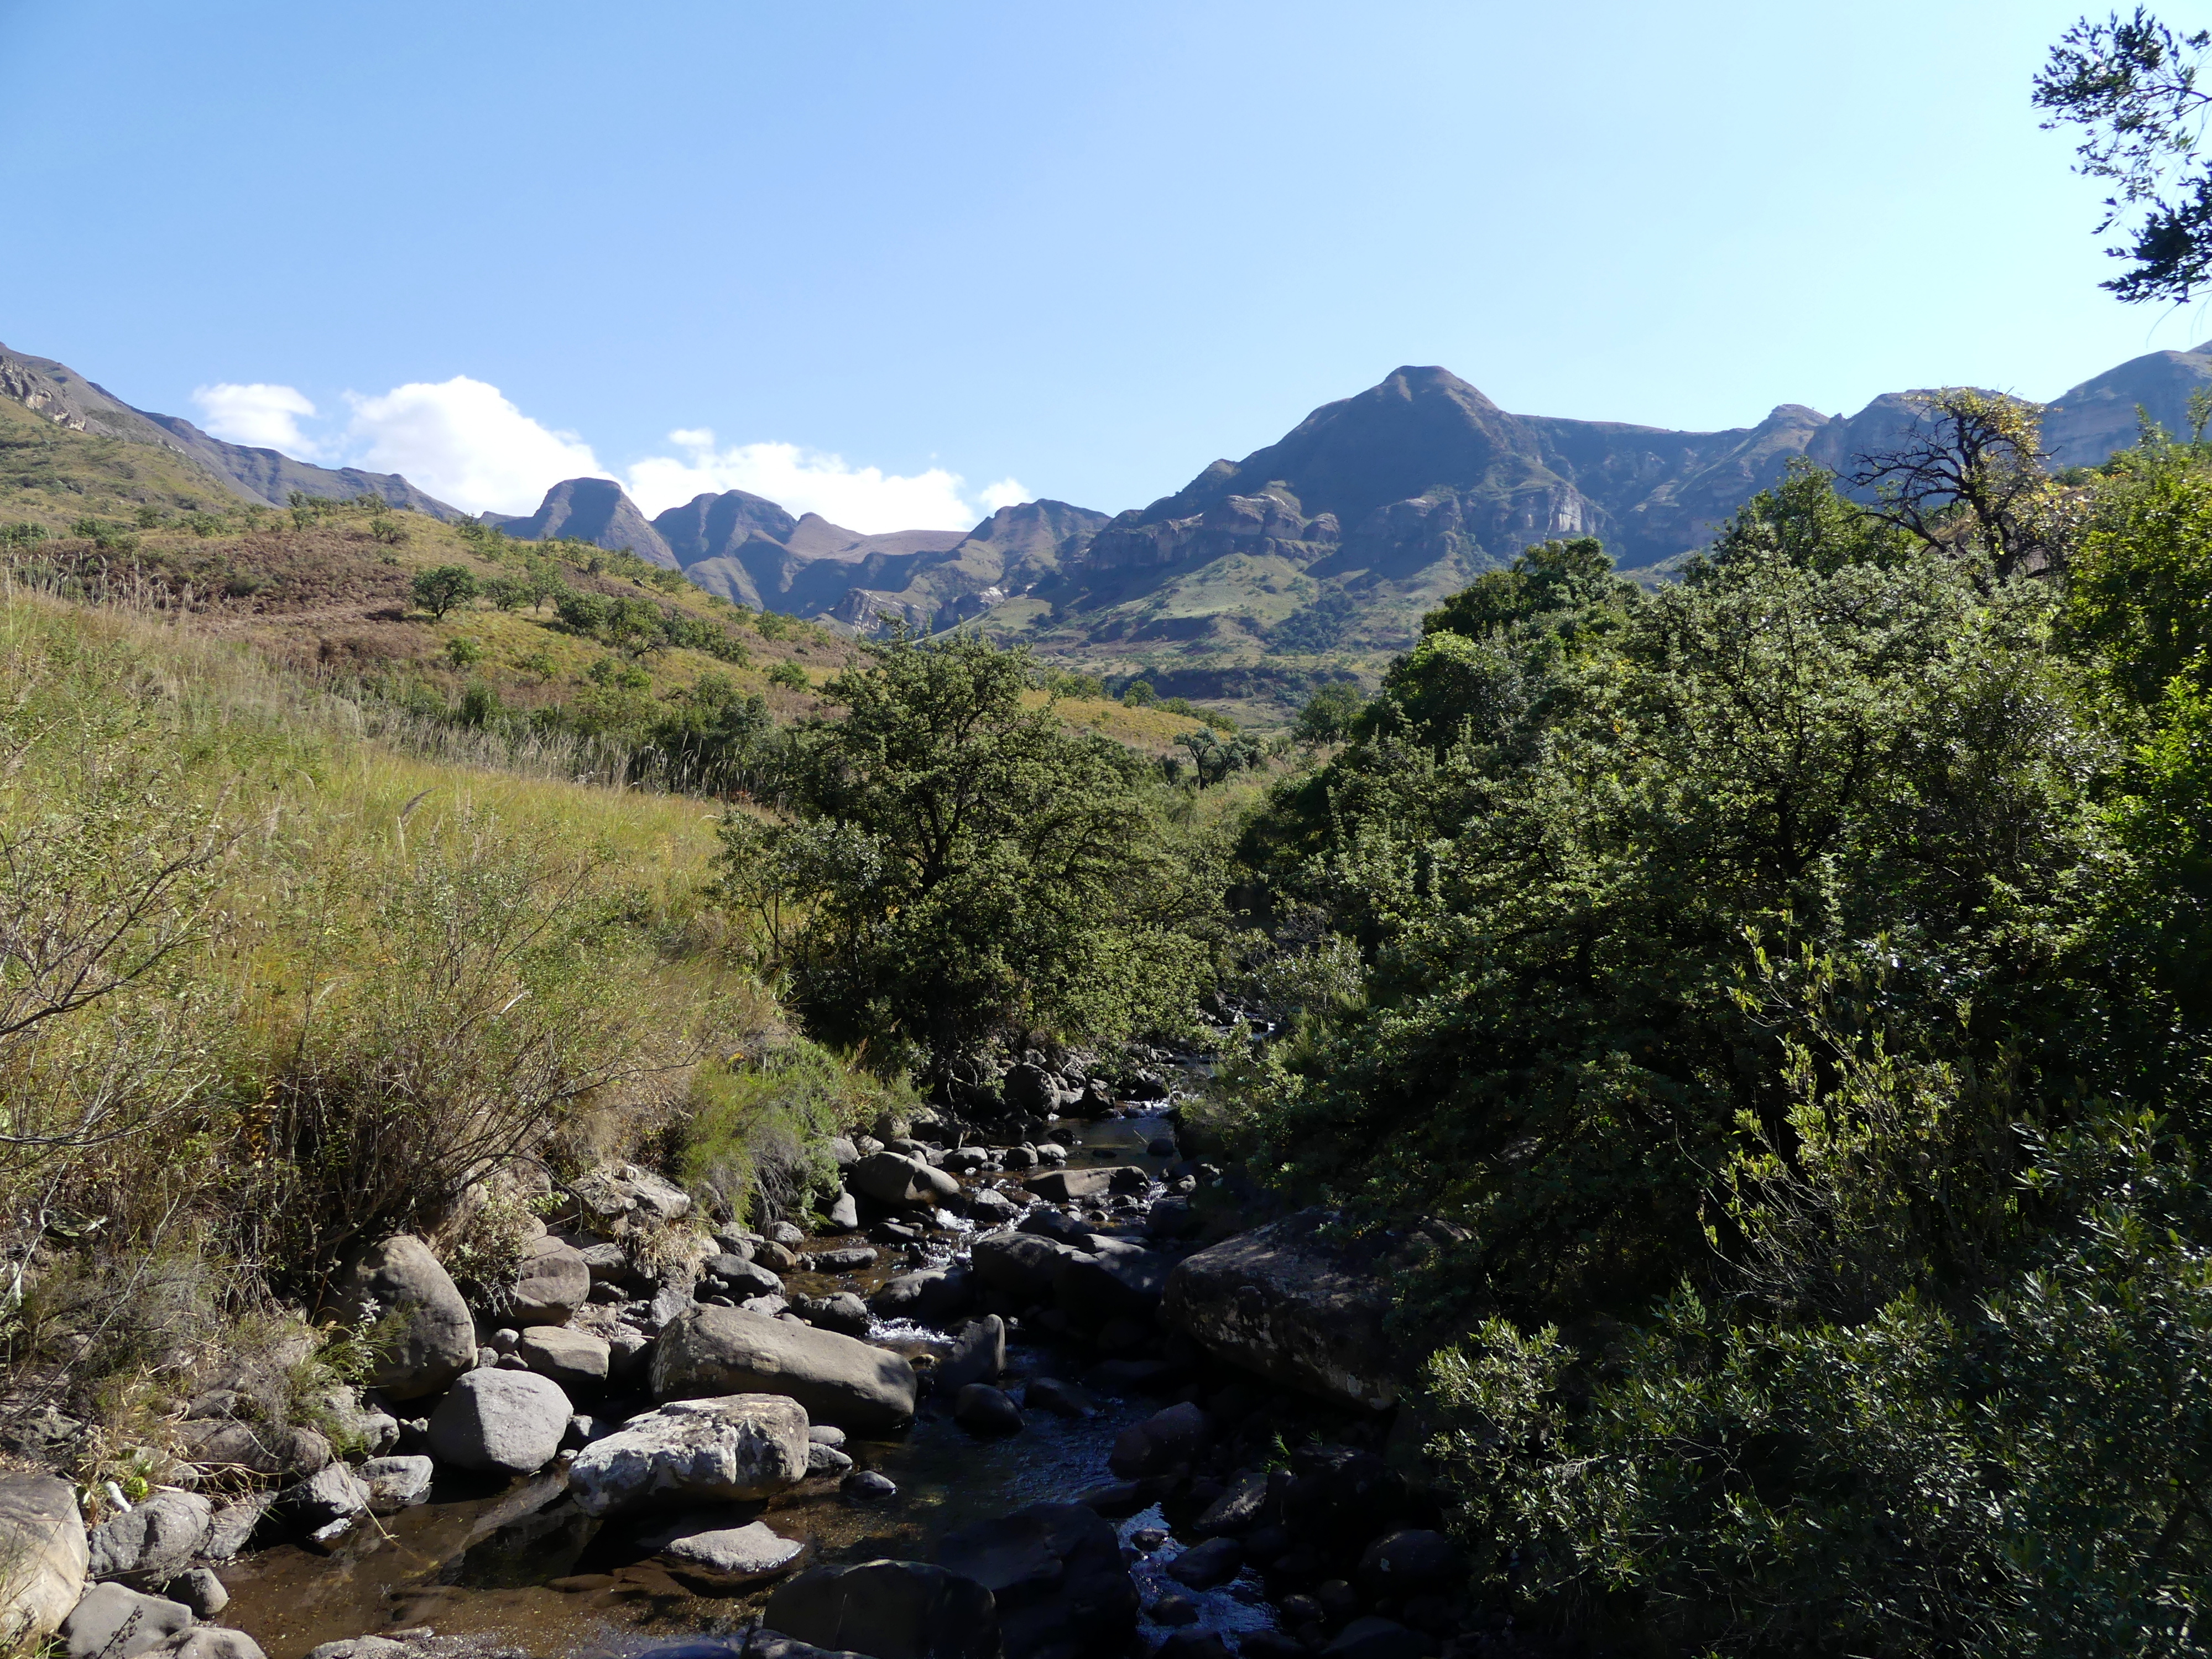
[{"x": 518, "y": 1565}]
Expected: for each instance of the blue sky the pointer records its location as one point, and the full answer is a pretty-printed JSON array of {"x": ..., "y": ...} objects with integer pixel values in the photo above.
[{"x": 899, "y": 262}]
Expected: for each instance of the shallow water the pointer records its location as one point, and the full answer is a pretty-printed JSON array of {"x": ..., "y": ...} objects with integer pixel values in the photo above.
[{"x": 521, "y": 1565}]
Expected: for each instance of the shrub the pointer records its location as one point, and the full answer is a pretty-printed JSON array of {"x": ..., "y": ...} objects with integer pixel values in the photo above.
[{"x": 440, "y": 588}]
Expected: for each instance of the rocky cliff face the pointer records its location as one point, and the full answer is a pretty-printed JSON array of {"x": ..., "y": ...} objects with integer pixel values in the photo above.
[
  {"x": 261, "y": 475},
  {"x": 594, "y": 510}
]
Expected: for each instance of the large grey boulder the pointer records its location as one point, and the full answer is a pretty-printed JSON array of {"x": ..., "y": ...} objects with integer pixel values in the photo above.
[
  {"x": 43, "y": 1555},
  {"x": 1164, "y": 1443},
  {"x": 553, "y": 1282},
  {"x": 1121, "y": 1283},
  {"x": 1299, "y": 1310},
  {"x": 629, "y": 1194},
  {"x": 929, "y": 1297},
  {"x": 728, "y": 1449},
  {"x": 1061, "y": 1186},
  {"x": 324, "y": 1502},
  {"x": 572, "y": 1358},
  {"x": 888, "y": 1610},
  {"x": 895, "y": 1178},
  {"x": 1022, "y": 1264},
  {"x": 431, "y": 1338},
  {"x": 114, "y": 1622},
  {"x": 153, "y": 1542},
  {"x": 1056, "y": 1577},
  {"x": 721, "y": 1553},
  {"x": 978, "y": 1355},
  {"x": 500, "y": 1421},
  {"x": 709, "y": 1352}
]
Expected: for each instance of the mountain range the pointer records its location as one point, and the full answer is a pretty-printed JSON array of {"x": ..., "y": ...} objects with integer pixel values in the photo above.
[{"x": 1311, "y": 557}]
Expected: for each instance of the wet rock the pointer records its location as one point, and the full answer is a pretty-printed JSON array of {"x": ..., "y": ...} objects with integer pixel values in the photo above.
[
  {"x": 826, "y": 1460},
  {"x": 573, "y": 1359},
  {"x": 894, "y": 1178},
  {"x": 1096, "y": 1289},
  {"x": 1162, "y": 1442},
  {"x": 400, "y": 1288},
  {"x": 324, "y": 1505},
  {"x": 1193, "y": 1644},
  {"x": 719, "y": 1554},
  {"x": 867, "y": 1486},
  {"x": 1067, "y": 1186},
  {"x": 1174, "y": 1608},
  {"x": 1269, "y": 1644},
  {"x": 499, "y": 1420},
  {"x": 1119, "y": 1498},
  {"x": 1061, "y": 1399},
  {"x": 825, "y": 1434},
  {"x": 735, "y": 1276},
  {"x": 200, "y": 1591},
  {"x": 1058, "y": 1224},
  {"x": 850, "y": 1260},
  {"x": 1238, "y": 1509},
  {"x": 978, "y": 1355},
  {"x": 114, "y": 1622},
  {"x": 989, "y": 1207},
  {"x": 152, "y": 1541},
  {"x": 1164, "y": 1146},
  {"x": 727, "y": 1449},
  {"x": 722, "y": 1351},
  {"x": 1377, "y": 1638},
  {"x": 1299, "y": 1310},
  {"x": 1056, "y": 1577},
  {"x": 550, "y": 1284},
  {"x": 1409, "y": 1562},
  {"x": 843, "y": 1312},
  {"x": 43, "y": 1540},
  {"x": 1172, "y": 1218},
  {"x": 933, "y": 1296},
  {"x": 1022, "y": 1264},
  {"x": 397, "y": 1483},
  {"x": 888, "y": 1610},
  {"x": 233, "y": 1525},
  {"x": 1339, "y": 1495},
  {"x": 1202, "y": 1566},
  {"x": 981, "y": 1409}
]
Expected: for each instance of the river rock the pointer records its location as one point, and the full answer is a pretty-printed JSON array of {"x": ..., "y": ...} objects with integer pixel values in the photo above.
[
  {"x": 989, "y": 1207},
  {"x": 981, "y": 1409},
  {"x": 211, "y": 1642},
  {"x": 888, "y": 1610},
  {"x": 200, "y": 1589},
  {"x": 850, "y": 1260},
  {"x": 572, "y": 1358},
  {"x": 152, "y": 1541},
  {"x": 1238, "y": 1509},
  {"x": 1022, "y": 1264},
  {"x": 1377, "y": 1639},
  {"x": 1160, "y": 1443},
  {"x": 867, "y": 1486},
  {"x": 1057, "y": 1224},
  {"x": 432, "y": 1341},
  {"x": 500, "y": 1420},
  {"x": 843, "y": 1312},
  {"x": 895, "y": 1178},
  {"x": 735, "y": 1276},
  {"x": 931, "y": 1297},
  {"x": 731, "y": 1448},
  {"x": 1094, "y": 1289},
  {"x": 114, "y": 1622},
  {"x": 606, "y": 1263},
  {"x": 722, "y": 1351},
  {"x": 1202, "y": 1566},
  {"x": 550, "y": 1284},
  {"x": 978, "y": 1355},
  {"x": 1061, "y": 1398},
  {"x": 1066, "y": 1186},
  {"x": 233, "y": 1525},
  {"x": 631, "y": 1193},
  {"x": 1409, "y": 1562},
  {"x": 43, "y": 1540},
  {"x": 721, "y": 1553},
  {"x": 397, "y": 1483},
  {"x": 1298, "y": 1309},
  {"x": 843, "y": 1215},
  {"x": 1338, "y": 1495},
  {"x": 826, "y": 1460},
  {"x": 326, "y": 1500},
  {"x": 1056, "y": 1578}
]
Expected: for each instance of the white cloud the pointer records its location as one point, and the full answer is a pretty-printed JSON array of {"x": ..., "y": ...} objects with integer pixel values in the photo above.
[
  {"x": 261, "y": 416},
  {"x": 862, "y": 498},
  {"x": 1007, "y": 492},
  {"x": 465, "y": 443}
]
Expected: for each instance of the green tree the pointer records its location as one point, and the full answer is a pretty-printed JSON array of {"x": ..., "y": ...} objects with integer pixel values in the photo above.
[
  {"x": 790, "y": 676},
  {"x": 441, "y": 587},
  {"x": 959, "y": 868},
  {"x": 1328, "y": 714}
]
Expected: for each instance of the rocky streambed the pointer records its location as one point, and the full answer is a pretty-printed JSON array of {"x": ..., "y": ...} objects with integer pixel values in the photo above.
[{"x": 1042, "y": 1392}]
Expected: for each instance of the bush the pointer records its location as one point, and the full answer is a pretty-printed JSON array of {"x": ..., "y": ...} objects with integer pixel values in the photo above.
[{"x": 442, "y": 587}]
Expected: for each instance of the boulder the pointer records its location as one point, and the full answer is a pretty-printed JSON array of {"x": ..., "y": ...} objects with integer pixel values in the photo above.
[
  {"x": 1056, "y": 1577},
  {"x": 152, "y": 1542},
  {"x": 989, "y": 1207},
  {"x": 550, "y": 1284},
  {"x": 269, "y": 1450},
  {"x": 850, "y": 1260},
  {"x": 200, "y": 1589},
  {"x": 736, "y": 1276},
  {"x": 1160, "y": 1443},
  {"x": 500, "y": 1420},
  {"x": 631, "y": 1193},
  {"x": 328, "y": 1498},
  {"x": 112, "y": 1622},
  {"x": 1058, "y": 1224},
  {"x": 211, "y": 1642},
  {"x": 44, "y": 1545},
  {"x": 1061, "y": 1399},
  {"x": 826, "y": 1460},
  {"x": 1338, "y": 1495},
  {"x": 606, "y": 1262},
  {"x": 1172, "y": 1218},
  {"x": 930, "y": 1297},
  {"x": 397, "y": 1483},
  {"x": 888, "y": 1610},
  {"x": 1022, "y": 1264},
  {"x": 1377, "y": 1638},
  {"x": 719, "y": 1552},
  {"x": 1202, "y": 1566},
  {"x": 427, "y": 1336},
  {"x": 843, "y": 1312},
  {"x": 1238, "y": 1509},
  {"x": 1066, "y": 1186},
  {"x": 981, "y": 1409},
  {"x": 723, "y": 1350},
  {"x": 727, "y": 1449},
  {"x": 1030, "y": 1088},
  {"x": 841, "y": 1150},
  {"x": 572, "y": 1358},
  {"x": 233, "y": 1525},
  {"x": 843, "y": 1215},
  {"x": 895, "y": 1178},
  {"x": 1409, "y": 1562},
  {"x": 1299, "y": 1310},
  {"x": 867, "y": 1486},
  {"x": 1094, "y": 1289},
  {"x": 978, "y": 1355}
]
